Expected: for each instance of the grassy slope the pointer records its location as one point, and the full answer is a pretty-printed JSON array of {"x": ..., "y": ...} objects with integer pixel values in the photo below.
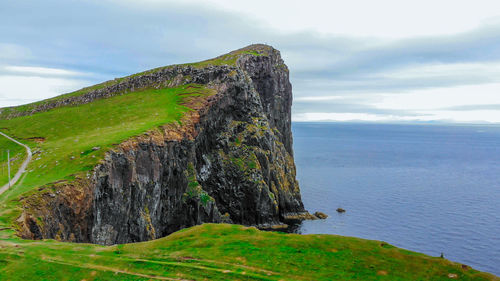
[
  {"x": 225, "y": 252},
  {"x": 70, "y": 133},
  {"x": 17, "y": 156}
]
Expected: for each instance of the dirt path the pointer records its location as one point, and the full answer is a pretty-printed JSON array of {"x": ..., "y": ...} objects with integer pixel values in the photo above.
[{"x": 21, "y": 170}]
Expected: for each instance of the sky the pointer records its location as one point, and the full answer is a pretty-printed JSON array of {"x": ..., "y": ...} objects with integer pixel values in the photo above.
[{"x": 378, "y": 61}]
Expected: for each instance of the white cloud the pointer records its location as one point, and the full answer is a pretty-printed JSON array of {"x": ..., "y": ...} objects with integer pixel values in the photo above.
[
  {"x": 16, "y": 90},
  {"x": 442, "y": 70},
  {"x": 45, "y": 71},
  {"x": 382, "y": 18},
  {"x": 320, "y": 98},
  {"x": 330, "y": 116},
  {"x": 25, "y": 84},
  {"x": 438, "y": 98}
]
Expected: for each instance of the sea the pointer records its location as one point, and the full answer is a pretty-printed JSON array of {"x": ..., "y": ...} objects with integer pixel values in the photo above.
[{"x": 427, "y": 188}]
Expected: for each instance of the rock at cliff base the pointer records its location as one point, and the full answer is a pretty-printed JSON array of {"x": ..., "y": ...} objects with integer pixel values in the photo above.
[{"x": 321, "y": 215}]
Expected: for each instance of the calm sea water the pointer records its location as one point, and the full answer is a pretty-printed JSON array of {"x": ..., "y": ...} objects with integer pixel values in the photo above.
[{"x": 427, "y": 188}]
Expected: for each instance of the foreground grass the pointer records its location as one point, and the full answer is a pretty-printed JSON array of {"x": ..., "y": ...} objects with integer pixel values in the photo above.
[
  {"x": 70, "y": 141},
  {"x": 226, "y": 252}
]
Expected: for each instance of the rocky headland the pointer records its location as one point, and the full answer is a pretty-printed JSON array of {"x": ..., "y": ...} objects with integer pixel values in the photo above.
[{"x": 230, "y": 159}]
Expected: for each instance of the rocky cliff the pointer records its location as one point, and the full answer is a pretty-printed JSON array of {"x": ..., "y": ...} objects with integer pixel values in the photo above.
[{"x": 229, "y": 160}]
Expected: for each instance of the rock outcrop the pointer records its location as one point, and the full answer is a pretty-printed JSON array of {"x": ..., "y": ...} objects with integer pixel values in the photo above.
[{"x": 231, "y": 160}]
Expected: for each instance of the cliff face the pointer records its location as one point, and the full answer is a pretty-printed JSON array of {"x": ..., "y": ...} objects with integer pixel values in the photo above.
[{"x": 230, "y": 160}]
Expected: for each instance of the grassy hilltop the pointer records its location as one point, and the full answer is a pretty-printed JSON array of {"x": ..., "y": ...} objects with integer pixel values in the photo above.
[{"x": 68, "y": 141}]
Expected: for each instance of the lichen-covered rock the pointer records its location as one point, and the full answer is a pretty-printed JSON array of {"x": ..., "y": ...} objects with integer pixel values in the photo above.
[{"x": 231, "y": 160}]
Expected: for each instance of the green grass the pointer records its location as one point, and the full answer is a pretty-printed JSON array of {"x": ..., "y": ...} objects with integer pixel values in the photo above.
[
  {"x": 70, "y": 133},
  {"x": 194, "y": 189},
  {"x": 17, "y": 156},
  {"x": 225, "y": 252}
]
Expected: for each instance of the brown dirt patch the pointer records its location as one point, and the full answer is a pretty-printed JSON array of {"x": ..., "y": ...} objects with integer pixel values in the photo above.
[{"x": 37, "y": 139}]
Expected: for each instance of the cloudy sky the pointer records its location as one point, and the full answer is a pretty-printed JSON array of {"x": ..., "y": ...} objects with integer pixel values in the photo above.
[{"x": 384, "y": 60}]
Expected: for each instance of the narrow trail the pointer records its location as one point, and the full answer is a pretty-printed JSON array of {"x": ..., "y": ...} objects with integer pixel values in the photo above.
[{"x": 21, "y": 170}]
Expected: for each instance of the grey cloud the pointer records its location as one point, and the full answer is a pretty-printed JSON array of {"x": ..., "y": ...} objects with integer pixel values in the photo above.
[
  {"x": 364, "y": 68},
  {"x": 362, "y": 85},
  {"x": 479, "y": 45},
  {"x": 116, "y": 39}
]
